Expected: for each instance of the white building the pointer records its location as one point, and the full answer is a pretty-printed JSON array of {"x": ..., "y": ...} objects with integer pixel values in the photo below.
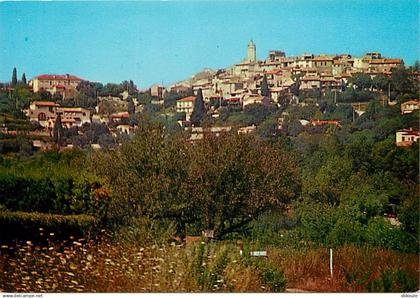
[{"x": 185, "y": 105}]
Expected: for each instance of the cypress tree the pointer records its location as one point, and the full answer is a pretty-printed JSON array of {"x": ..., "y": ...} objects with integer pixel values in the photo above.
[
  {"x": 264, "y": 87},
  {"x": 24, "y": 78},
  {"x": 199, "y": 108},
  {"x": 58, "y": 131},
  {"x": 131, "y": 109},
  {"x": 14, "y": 77}
]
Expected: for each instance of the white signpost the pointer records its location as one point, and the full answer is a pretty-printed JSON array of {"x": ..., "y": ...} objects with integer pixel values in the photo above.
[
  {"x": 258, "y": 253},
  {"x": 331, "y": 263}
]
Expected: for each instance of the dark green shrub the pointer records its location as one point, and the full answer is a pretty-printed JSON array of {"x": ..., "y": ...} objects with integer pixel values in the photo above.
[
  {"x": 274, "y": 278},
  {"x": 393, "y": 281},
  {"x": 216, "y": 276},
  {"x": 47, "y": 193},
  {"x": 22, "y": 226}
]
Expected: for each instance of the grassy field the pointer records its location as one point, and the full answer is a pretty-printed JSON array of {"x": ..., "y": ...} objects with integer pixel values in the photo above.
[{"x": 89, "y": 266}]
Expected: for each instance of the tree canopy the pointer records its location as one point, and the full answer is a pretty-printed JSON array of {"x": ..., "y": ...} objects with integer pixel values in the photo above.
[{"x": 220, "y": 183}]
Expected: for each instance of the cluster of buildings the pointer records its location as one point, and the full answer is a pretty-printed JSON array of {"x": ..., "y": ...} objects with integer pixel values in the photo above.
[
  {"x": 45, "y": 114},
  {"x": 63, "y": 85},
  {"x": 240, "y": 84},
  {"x": 409, "y": 136}
]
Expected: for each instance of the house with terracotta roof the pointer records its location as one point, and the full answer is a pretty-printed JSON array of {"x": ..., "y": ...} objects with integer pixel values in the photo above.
[
  {"x": 185, "y": 105},
  {"x": 157, "y": 91},
  {"x": 198, "y": 133},
  {"x": 410, "y": 106},
  {"x": 79, "y": 115},
  {"x": 310, "y": 82},
  {"x": 384, "y": 65},
  {"x": 329, "y": 83},
  {"x": 65, "y": 85},
  {"x": 233, "y": 101},
  {"x": 45, "y": 113},
  {"x": 406, "y": 137},
  {"x": 42, "y": 111},
  {"x": 317, "y": 122},
  {"x": 126, "y": 128},
  {"x": 66, "y": 122},
  {"x": 119, "y": 117},
  {"x": 275, "y": 56},
  {"x": 251, "y": 98},
  {"x": 322, "y": 62},
  {"x": 247, "y": 129}
]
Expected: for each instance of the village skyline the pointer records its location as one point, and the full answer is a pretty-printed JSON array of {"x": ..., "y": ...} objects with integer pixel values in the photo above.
[{"x": 141, "y": 42}]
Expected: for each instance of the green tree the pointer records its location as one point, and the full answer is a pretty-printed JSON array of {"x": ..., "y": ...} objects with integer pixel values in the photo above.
[
  {"x": 89, "y": 89},
  {"x": 294, "y": 128},
  {"x": 170, "y": 98},
  {"x": 361, "y": 80},
  {"x": 111, "y": 89},
  {"x": 220, "y": 183},
  {"x": 265, "y": 91},
  {"x": 129, "y": 87},
  {"x": 268, "y": 128},
  {"x": 258, "y": 112},
  {"x": 14, "y": 77},
  {"x": 380, "y": 82},
  {"x": 327, "y": 184},
  {"x": 402, "y": 81},
  {"x": 416, "y": 66},
  {"x": 199, "y": 109},
  {"x": 24, "y": 79}
]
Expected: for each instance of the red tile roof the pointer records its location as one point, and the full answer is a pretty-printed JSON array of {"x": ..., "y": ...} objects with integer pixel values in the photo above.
[
  {"x": 120, "y": 115},
  {"x": 322, "y": 58},
  {"x": 274, "y": 71},
  {"x": 411, "y": 102},
  {"x": 68, "y": 120},
  {"x": 316, "y": 122},
  {"x": 404, "y": 143},
  {"x": 386, "y": 61},
  {"x": 76, "y": 110},
  {"x": 45, "y": 104},
  {"x": 189, "y": 98},
  {"x": 344, "y": 75},
  {"x": 310, "y": 78},
  {"x": 410, "y": 131},
  {"x": 58, "y": 77}
]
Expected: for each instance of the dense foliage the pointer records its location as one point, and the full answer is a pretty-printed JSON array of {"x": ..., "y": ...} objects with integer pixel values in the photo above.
[{"x": 216, "y": 184}]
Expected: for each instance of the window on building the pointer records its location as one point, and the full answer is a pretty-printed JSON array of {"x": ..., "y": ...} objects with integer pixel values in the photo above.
[{"x": 42, "y": 117}]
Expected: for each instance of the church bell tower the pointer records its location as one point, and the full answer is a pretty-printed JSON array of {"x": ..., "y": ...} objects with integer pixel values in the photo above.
[{"x": 252, "y": 52}]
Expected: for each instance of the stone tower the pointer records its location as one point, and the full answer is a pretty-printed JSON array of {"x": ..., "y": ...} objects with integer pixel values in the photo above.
[{"x": 252, "y": 52}]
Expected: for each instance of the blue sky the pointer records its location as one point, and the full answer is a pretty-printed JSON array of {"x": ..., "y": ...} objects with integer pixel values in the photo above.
[{"x": 166, "y": 41}]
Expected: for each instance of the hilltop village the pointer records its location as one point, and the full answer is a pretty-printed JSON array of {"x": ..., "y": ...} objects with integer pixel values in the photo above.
[
  {"x": 267, "y": 96},
  {"x": 282, "y": 78},
  {"x": 238, "y": 179}
]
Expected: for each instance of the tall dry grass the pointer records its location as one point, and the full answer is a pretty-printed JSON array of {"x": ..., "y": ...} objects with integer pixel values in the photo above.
[
  {"x": 355, "y": 269},
  {"x": 89, "y": 266},
  {"x": 86, "y": 266}
]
